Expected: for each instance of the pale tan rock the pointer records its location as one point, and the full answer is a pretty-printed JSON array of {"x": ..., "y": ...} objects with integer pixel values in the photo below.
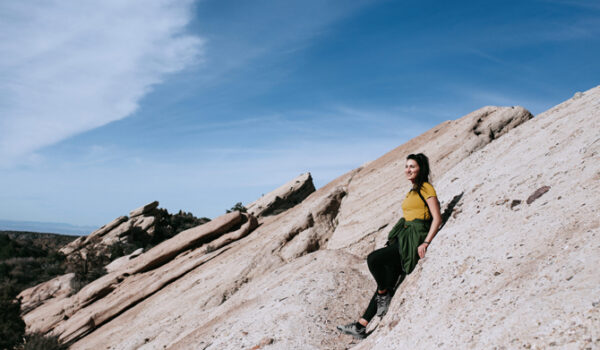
[
  {"x": 187, "y": 239},
  {"x": 143, "y": 209},
  {"x": 57, "y": 288},
  {"x": 44, "y": 317},
  {"x": 296, "y": 305},
  {"x": 521, "y": 279},
  {"x": 284, "y": 197},
  {"x": 119, "y": 234},
  {"x": 121, "y": 262},
  {"x": 230, "y": 237},
  {"x": 376, "y": 191},
  {"x": 78, "y": 321},
  {"x": 128, "y": 293},
  {"x": 144, "y": 222},
  {"x": 495, "y": 276},
  {"x": 106, "y": 228},
  {"x": 122, "y": 229},
  {"x": 213, "y": 283},
  {"x": 114, "y": 231},
  {"x": 73, "y": 246}
]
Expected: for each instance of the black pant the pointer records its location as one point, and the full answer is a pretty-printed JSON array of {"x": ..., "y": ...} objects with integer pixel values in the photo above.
[{"x": 385, "y": 266}]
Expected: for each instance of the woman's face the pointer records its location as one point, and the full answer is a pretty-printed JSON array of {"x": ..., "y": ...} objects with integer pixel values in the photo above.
[{"x": 411, "y": 169}]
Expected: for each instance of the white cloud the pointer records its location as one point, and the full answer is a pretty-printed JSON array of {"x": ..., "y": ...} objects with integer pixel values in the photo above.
[{"x": 70, "y": 66}]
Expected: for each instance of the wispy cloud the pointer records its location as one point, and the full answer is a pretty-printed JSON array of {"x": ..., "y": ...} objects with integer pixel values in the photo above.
[{"x": 70, "y": 66}]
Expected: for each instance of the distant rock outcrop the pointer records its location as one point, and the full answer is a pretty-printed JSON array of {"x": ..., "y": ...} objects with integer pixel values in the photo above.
[
  {"x": 120, "y": 229},
  {"x": 284, "y": 197},
  {"x": 514, "y": 266},
  {"x": 131, "y": 280}
]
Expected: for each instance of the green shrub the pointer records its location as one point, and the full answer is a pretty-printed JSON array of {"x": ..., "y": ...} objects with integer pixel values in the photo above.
[
  {"x": 168, "y": 225},
  {"x": 86, "y": 267},
  {"x": 37, "y": 341},
  {"x": 238, "y": 207},
  {"x": 12, "y": 327}
]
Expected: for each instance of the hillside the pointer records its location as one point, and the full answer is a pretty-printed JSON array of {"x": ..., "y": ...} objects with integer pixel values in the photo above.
[
  {"x": 48, "y": 241},
  {"x": 29, "y": 258},
  {"x": 514, "y": 266}
]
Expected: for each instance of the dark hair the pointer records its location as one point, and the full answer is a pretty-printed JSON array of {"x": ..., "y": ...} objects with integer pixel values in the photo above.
[{"x": 423, "y": 175}]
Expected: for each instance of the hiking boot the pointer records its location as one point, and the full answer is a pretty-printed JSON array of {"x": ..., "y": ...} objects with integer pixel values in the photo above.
[
  {"x": 354, "y": 330},
  {"x": 383, "y": 302}
]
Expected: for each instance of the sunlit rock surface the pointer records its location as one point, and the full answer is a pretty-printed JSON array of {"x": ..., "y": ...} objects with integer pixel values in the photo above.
[{"x": 515, "y": 265}]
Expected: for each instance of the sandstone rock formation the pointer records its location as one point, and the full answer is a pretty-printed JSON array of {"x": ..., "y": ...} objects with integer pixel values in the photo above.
[
  {"x": 135, "y": 279},
  {"x": 120, "y": 229},
  {"x": 284, "y": 197},
  {"x": 514, "y": 266},
  {"x": 520, "y": 277},
  {"x": 118, "y": 263},
  {"x": 55, "y": 289}
]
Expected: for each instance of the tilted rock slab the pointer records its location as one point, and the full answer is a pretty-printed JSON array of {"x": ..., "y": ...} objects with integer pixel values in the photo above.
[
  {"x": 284, "y": 197},
  {"x": 148, "y": 208},
  {"x": 120, "y": 263},
  {"x": 504, "y": 273},
  {"x": 213, "y": 287},
  {"x": 218, "y": 289},
  {"x": 115, "y": 231},
  {"x": 377, "y": 189},
  {"x": 47, "y": 317},
  {"x": 56, "y": 288},
  {"x": 299, "y": 299},
  {"x": 105, "y": 229},
  {"x": 501, "y": 273}
]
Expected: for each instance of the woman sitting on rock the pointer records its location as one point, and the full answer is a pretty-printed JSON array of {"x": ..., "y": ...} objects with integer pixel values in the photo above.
[{"x": 407, "y": 242}]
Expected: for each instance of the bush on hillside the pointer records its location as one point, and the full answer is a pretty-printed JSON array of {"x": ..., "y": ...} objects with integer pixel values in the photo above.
[
  {"x": 12, "y": 327},
  {"x": 237, "y": 207},
  {"x": 10, "y": 248},
  {"x": 37, "y": 341},
  {"x": 25, "y": 265},
  {"x": 168, "y": 225},
  {"x": 87, "y": 267}
]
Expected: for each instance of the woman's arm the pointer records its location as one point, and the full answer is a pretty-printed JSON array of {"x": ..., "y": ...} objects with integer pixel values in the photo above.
[{"x": 434, "y": 208}]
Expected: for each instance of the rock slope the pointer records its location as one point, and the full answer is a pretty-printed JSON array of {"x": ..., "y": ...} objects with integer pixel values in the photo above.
[{"x": 514, "y": 265}]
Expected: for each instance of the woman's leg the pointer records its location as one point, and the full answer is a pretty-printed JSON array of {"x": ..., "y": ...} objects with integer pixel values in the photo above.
[
  {"x": 384, "y": 265},
  {"x": 370, "y": 311}
]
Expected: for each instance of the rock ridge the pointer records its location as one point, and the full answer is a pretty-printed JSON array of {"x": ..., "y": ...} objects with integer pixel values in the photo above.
[{"x": 513, "y": 266}]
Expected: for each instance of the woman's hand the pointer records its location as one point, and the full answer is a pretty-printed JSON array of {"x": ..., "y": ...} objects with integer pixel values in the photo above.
[{"x": 422, "y": 249}]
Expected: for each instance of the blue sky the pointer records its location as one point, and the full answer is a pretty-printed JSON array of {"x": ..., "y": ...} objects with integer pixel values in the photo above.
[{"x": 105, "y": 106}]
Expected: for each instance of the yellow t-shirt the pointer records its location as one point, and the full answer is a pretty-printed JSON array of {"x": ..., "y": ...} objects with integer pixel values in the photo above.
[{"x": 413, "y": 206}]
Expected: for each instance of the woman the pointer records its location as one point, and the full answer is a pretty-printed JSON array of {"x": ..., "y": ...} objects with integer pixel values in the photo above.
[{"x": 407, "y": 242}]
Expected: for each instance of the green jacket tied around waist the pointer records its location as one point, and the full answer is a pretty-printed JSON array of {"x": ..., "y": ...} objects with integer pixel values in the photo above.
[{"x": 410, "y": 235}]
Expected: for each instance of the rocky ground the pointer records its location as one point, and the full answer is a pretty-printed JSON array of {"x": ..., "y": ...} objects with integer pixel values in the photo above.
[{"x": 515, "y": 265}]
